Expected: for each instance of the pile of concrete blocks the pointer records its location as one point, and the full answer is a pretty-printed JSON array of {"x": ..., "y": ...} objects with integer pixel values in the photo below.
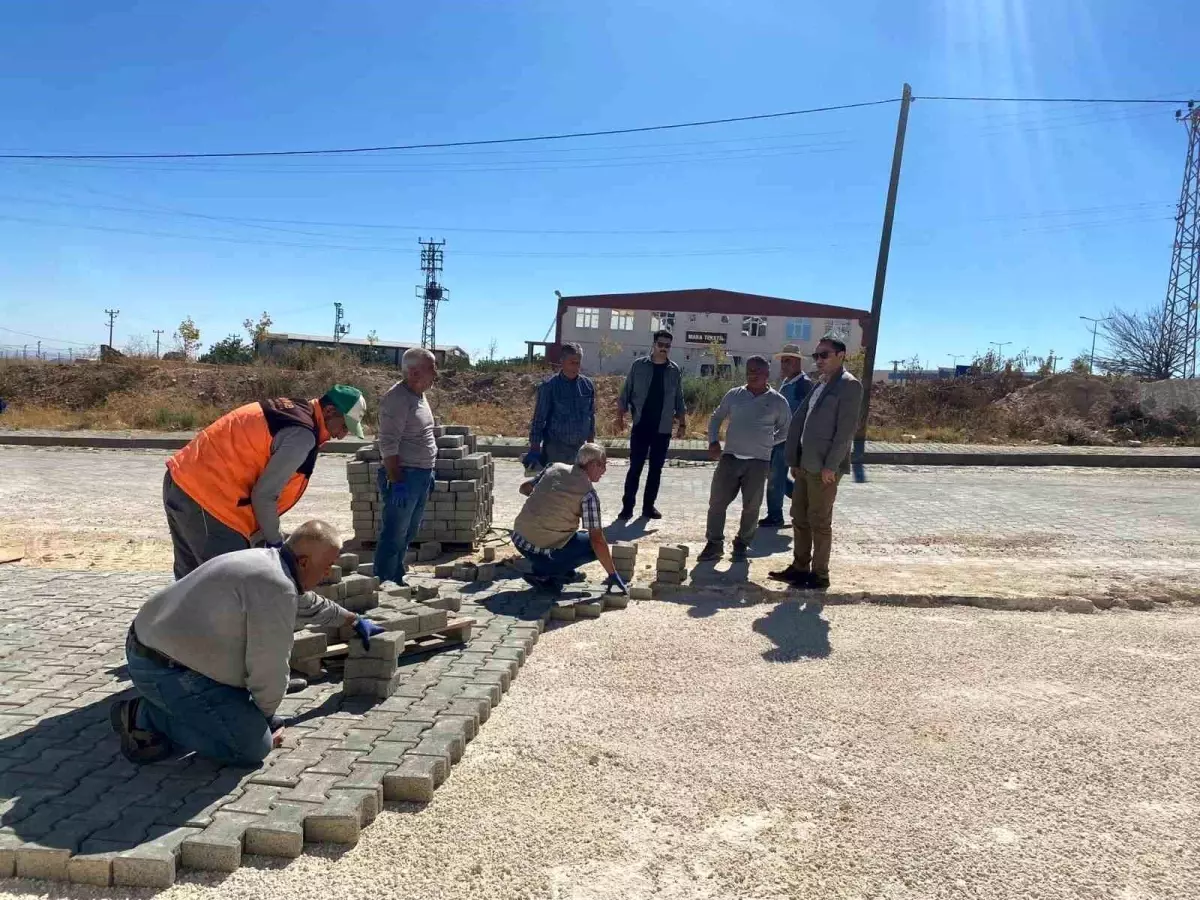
[
  {"x": 372, "y": 671},
  {"x": 672, "y": 564},
  {"x": 355, "y": 591},
  {"x": 624, "y": 554},
  {"x": 459, "y": 511}
]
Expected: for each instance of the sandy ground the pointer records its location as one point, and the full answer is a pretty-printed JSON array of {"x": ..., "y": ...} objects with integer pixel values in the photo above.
[
  {"x": 769, "y": 752},
  {"x": 960, "y": 531}
]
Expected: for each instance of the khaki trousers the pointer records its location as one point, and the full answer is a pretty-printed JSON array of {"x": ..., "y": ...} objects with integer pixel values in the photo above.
[{"x": 812, "y": 519}]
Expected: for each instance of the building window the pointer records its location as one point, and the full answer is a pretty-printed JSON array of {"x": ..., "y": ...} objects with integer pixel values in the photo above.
[
  {"x": 839, "y": 328},
  {"x": 724, "y": 371},
  {"x": 737, "y": 362},
  {"x": 754, "y": 326},
  {"x": 662, "y": 321},
  {"x": 707, "y": 368},
  {"x": 587, "y": 317},
  {"x": 799, "y": 329},
  {"x": 622, "y": 320}
]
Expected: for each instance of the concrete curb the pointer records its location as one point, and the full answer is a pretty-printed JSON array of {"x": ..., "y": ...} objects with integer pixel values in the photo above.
[{"x": 694, "y": 451}]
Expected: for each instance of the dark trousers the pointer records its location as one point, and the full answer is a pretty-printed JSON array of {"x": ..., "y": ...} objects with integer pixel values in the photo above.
[
  {"x": 563, "y": 562},
  {"x": 196, "y": 537},
  {"x": 559, "y": 452},
  {"x": 643, "y": 445}
]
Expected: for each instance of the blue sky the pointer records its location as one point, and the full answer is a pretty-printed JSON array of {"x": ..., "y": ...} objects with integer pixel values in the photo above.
[{"x": 1013, "y": 220}]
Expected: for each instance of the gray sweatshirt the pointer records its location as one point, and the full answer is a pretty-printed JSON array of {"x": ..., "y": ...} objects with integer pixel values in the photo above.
[
  {"x": 406, "y": 428},
  {"x": 232, "y": 620},
  {"x": 756, "y": 424},
  {"x": 289, "y": 450}
]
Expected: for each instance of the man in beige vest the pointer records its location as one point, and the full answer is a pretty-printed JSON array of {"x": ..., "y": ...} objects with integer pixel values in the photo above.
[{"x": 547, "y": 531}]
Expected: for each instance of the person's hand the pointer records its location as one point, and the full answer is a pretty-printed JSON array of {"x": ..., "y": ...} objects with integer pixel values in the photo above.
[
  {"x": 714, "y": 451},
  {"x": 828, "y": 477},
  {"x": 682, "y": 429},
  {"x": 795, "y": 473},
  {"x": 366, "y": 629},
  {"x": 615, "y": 581},
  {"x": 532, "y": 460},
  {"x": 397, "y": 493},
  {"x": 277, "y": 738}
]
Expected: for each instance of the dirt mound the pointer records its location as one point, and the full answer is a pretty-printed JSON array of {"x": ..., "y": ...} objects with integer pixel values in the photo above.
[{"x": 1067, "y": 408}]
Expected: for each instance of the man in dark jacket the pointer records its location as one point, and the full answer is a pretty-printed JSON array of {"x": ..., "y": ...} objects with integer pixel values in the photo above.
[
  {"x": 653, "y": 391},
  {"x": 818, "y": 451}
]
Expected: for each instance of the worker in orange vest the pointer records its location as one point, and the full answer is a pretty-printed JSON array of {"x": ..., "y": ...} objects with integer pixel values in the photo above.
[{"x": 227, "y": 488}]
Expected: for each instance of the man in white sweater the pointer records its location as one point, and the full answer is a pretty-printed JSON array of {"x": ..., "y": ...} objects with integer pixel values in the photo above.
[
  {"x": 758, "y": 419},
  {"x": 209, "y": 654}
]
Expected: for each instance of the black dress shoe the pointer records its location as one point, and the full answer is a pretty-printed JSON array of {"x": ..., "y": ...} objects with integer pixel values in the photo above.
[
  {"x": 625, "y": 515},
  {"x": 800, "y": 578},
  {"x": 768, "y": 522},
  {"x": 651, "y": 513},
  {"x": 739, "y": 552}
]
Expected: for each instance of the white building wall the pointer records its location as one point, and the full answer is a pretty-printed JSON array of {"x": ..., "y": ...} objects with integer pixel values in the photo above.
[{"x": 604, "y": 339}]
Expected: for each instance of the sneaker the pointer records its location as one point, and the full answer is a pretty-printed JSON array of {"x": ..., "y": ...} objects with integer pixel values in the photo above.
[
  {"x": 137, "y": 746},
  {"x": 651, "y": 513},
  {"x": 713, "y": 550},
  {"x": 768, "y": 522},
  {"x": 800, "y": 578},
  {"x": 739, "y": 551},
  {"x": 545, "y": 583}
]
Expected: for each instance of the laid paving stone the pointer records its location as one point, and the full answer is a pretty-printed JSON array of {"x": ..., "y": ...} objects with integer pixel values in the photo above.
[{"x": 87, "y": 815}]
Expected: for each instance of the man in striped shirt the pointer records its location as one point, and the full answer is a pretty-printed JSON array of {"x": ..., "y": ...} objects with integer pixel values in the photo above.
[{"x": 560, "y": 500}]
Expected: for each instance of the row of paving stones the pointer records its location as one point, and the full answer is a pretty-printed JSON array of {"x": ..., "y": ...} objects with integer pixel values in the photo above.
[{"x": 72, "y": 808}]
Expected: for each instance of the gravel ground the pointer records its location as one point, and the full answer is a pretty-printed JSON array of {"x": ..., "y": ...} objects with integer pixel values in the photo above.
[{"x": 769, "y": 752}]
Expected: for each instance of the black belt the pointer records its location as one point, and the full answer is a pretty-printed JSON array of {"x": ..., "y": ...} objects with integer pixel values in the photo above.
[{"x": 149, "y": 652}]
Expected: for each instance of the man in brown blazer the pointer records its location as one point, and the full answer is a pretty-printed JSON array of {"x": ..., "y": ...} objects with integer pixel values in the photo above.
[{"x": 818, "y": 452}]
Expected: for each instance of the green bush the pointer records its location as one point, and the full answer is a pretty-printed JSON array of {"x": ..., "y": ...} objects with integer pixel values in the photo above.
[{"x": 703, "y": 393}]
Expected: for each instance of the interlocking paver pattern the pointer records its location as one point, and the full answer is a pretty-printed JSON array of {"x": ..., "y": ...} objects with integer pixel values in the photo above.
[{"x": 72, "y": 808}]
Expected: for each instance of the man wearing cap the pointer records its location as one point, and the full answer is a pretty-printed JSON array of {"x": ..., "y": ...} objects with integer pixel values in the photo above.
[
  {"x": 227, "y": 488},
  {"x": 795, "y": 388},
  {"x": 818, "y": 452},
  {"x": 409, "y": 451}
]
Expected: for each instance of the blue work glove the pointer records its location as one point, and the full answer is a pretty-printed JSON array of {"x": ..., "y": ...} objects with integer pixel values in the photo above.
[
  {"x": 393, "y": 493},
  {"x": 366, "y": 629},
  {"x": 532, "y": 460},
  {"x": 615, "y": 582}
]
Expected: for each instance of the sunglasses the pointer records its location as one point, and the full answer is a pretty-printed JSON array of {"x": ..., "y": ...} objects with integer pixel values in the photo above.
[{"x": 823, "y": 354}]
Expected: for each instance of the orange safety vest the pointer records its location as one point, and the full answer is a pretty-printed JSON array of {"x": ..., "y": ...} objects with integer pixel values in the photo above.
[{"x": 220, "y": 466}]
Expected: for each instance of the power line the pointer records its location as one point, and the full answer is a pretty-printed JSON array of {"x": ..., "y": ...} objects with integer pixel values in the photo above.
[
  {"x": 50, "y": 340},
  {"x": 1109, "y": 100},
  {"x": 343, "y": 151}
]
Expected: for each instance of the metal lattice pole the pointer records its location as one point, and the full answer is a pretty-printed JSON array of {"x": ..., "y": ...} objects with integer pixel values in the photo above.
[
  {"x": 431, "y": 292},
  {"x": 1183, "y": 289}
]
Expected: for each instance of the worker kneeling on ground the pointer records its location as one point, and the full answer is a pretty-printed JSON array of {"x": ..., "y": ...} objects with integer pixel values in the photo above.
[
  {"x": 561, "y": 497},
  {"x": 209, "y": 653},
  {"x": 227, "y": 488}
]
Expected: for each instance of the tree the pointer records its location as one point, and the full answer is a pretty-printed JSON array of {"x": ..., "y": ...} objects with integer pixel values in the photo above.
[
  {"x": 608, "y": 348},
  {"x": 1141, "y": 345},
  {"x": 719, "y": 354},
  {"x": 1081, "y": 364},
  {"x": 231, "y": 351},
  {"x": 138, "y": 345},
  {"x": 372, "y": 337},
  {"x": 187, "y": 338},
  {"x": 493, "y": 344},
  {"x": 256, "y": 330}
]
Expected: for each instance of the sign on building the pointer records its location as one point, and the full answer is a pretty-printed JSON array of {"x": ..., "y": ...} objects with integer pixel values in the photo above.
[{"x": 706, "y": 337}]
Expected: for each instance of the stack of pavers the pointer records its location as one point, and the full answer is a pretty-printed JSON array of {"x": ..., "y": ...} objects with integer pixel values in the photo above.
[
  {"x": 413, "y": 613},
  {"x": 458, "y": 512},
  {"x": 373, "y": 671},
  {"x": 672, "y": 564}
]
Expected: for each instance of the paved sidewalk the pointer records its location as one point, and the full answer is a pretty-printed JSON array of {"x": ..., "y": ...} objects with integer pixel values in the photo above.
[{"x": 877, "y": 452}]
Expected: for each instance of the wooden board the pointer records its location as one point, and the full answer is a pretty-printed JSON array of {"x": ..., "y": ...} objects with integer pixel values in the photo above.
[
  {"x": 457, "y": 631},
  {"x": 11, "y": 554}
]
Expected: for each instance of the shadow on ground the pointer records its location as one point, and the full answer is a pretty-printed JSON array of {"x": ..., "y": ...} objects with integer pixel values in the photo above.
[{"x": 798, "y": 630}]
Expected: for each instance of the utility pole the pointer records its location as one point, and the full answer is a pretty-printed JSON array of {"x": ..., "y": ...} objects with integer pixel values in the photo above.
[
  {"x": 431, "y": 292},
  {"x": 158, "y": 333},
  {"x": 1095, "y": 327},
  {"x": 885, "y": 245},
  {"x": 112, "y": 317},
  {"x": 338, "y": 328},
  {"x": 954, "y": 358},
  {"x": 39, "y": 350},
  {"x": 1182, "y": 307},
  {"x": 999, "y": 345}
]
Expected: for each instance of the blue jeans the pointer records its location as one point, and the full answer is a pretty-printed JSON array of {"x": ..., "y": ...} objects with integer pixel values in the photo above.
[
  {"x": 403, "y": 508},
  {"x": 563, "y": 562},
  {"x": 780, "y": 483},
  {"x": 196, "y": 713}
]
